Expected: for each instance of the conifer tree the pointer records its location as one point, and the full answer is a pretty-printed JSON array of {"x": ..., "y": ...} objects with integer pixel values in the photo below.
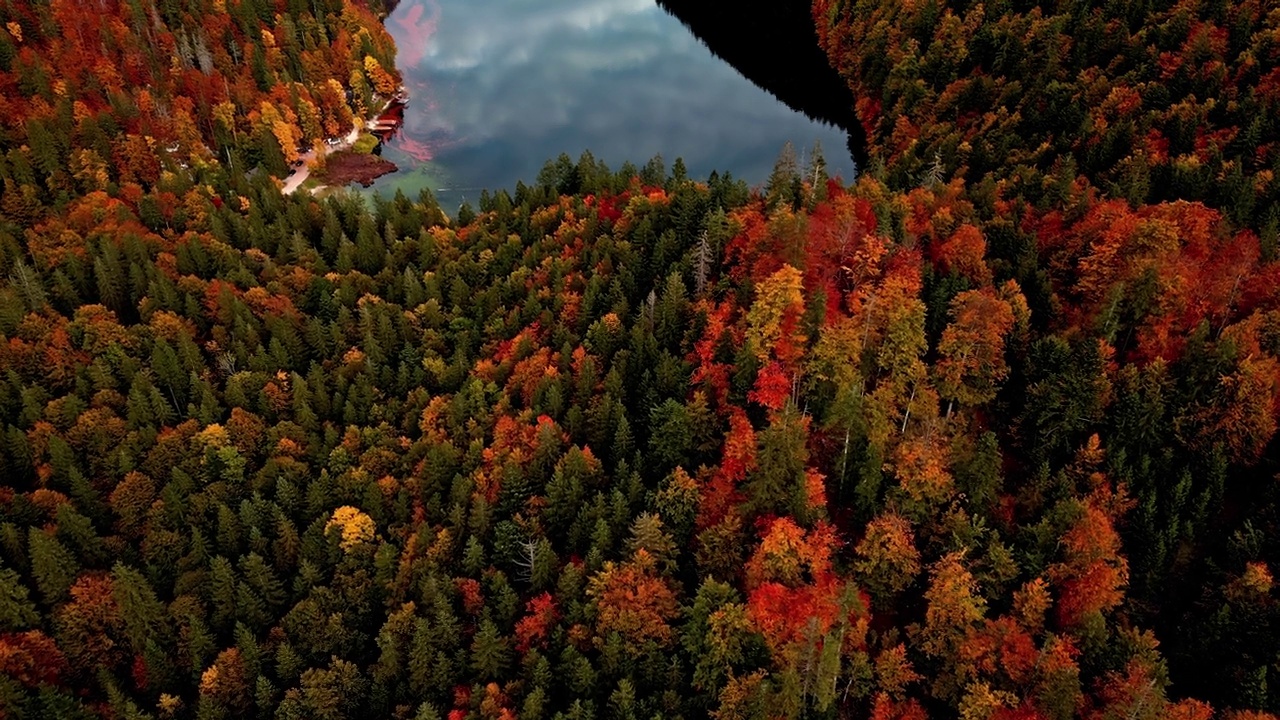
[
  {"x": 490, "y": 651},
  {"x": 52, "y": 565}
]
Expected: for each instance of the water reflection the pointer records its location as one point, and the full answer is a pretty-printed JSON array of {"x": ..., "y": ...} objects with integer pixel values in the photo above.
[{"x": 501, "y": 86}]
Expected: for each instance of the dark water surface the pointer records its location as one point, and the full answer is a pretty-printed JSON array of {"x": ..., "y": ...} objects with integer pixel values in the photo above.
[{"x": 498, "y": 87}]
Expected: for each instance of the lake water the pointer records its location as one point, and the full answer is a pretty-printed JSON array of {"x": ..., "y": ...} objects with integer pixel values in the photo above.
[{"x": 498, "y": 87}]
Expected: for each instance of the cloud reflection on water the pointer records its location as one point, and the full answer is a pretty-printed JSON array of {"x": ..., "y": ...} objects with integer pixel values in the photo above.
[{"x": 501, "y": 86}]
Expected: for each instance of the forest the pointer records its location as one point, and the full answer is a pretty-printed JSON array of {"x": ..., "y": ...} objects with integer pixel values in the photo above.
[
  {"x": 986, "y": 432},
  {"x": 125, "y": 95}
]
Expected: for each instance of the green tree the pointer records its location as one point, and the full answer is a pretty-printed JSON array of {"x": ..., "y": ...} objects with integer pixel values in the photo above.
[
  {"x": 52, "y": 565},
  {"x": 17, "y": 612},
  {"x": 671, "y": 438},
  {"x": 144, "y": 615},
  {"x": 777, "y": 484},
  {"x": 649, "y": 534},
  {"x": 490, "y": 651},
  {"x": 782, "y": 181}
]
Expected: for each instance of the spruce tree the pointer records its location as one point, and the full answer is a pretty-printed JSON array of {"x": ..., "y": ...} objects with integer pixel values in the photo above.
[
  {"x": 490, "y": 651},
  {"x": 52, "y": 565}
]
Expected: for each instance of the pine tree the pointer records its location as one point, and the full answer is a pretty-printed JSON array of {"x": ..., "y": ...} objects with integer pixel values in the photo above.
[
  {"x": 144, "y": 615},
  {"x": 786, "y": 171},
  {"x": 52, "y": 565},
  {"x": 426, "y": 711},
  {"x": 490, "y": 651},
  {"x": 222, "y": 587},
  {"x": 777, "y": 484},
  {"x": 671, "y": 437},
  {"x": 17, "y": 612},
  {"x": 622, "y": 701},
  {"x": 648, "y": 534}
]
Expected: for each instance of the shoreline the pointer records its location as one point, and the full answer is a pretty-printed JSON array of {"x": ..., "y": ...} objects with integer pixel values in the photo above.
[
  {"x": 293, "y": 182},
  {"x": 350, "y": 166}
]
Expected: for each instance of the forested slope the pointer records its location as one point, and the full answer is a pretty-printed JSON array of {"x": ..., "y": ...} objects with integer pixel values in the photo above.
[
  {"x": 1091, "y": 139},
  {"x": 112, "y": 94},
  {"x": 1146, "y": 101},
  {"x": 976, "y": 439},
  {"x": 619, "y": 444}
]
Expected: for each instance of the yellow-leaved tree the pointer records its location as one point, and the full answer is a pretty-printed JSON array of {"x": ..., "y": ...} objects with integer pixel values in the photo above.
[
  {"x": 356, "y": 526},
  {"x": 382, "y": 81}
]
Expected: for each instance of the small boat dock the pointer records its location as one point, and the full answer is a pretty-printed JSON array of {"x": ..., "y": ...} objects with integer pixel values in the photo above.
[{"x": 391, "y": 117}]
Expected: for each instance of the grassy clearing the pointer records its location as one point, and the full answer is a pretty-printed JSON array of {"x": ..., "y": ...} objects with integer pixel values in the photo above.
[{"x": 365, "y": 143}]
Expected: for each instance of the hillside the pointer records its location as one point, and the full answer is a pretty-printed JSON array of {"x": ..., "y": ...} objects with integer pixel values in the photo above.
[
  {"x": 123, "y": 96},
  {"x": 988, "y": 432},
  {"x": 1086, "y": 136}
]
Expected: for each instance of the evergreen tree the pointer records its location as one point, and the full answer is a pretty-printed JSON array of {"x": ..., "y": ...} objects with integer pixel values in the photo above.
[
  {"x": 490, "y": 652},
  {"x": 52, "y": 565},
  {"x": 17, "y": 612}
]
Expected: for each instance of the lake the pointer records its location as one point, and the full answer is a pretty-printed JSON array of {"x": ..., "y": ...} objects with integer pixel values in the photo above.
[{"x": 498, "y": 87}]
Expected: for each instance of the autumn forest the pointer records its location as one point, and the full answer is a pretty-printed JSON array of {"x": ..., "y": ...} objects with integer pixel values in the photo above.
[{"x": 987, "y": 431}]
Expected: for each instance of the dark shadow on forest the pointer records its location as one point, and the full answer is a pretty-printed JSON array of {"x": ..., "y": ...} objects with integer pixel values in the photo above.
[{"x": 773, "y": 44}]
